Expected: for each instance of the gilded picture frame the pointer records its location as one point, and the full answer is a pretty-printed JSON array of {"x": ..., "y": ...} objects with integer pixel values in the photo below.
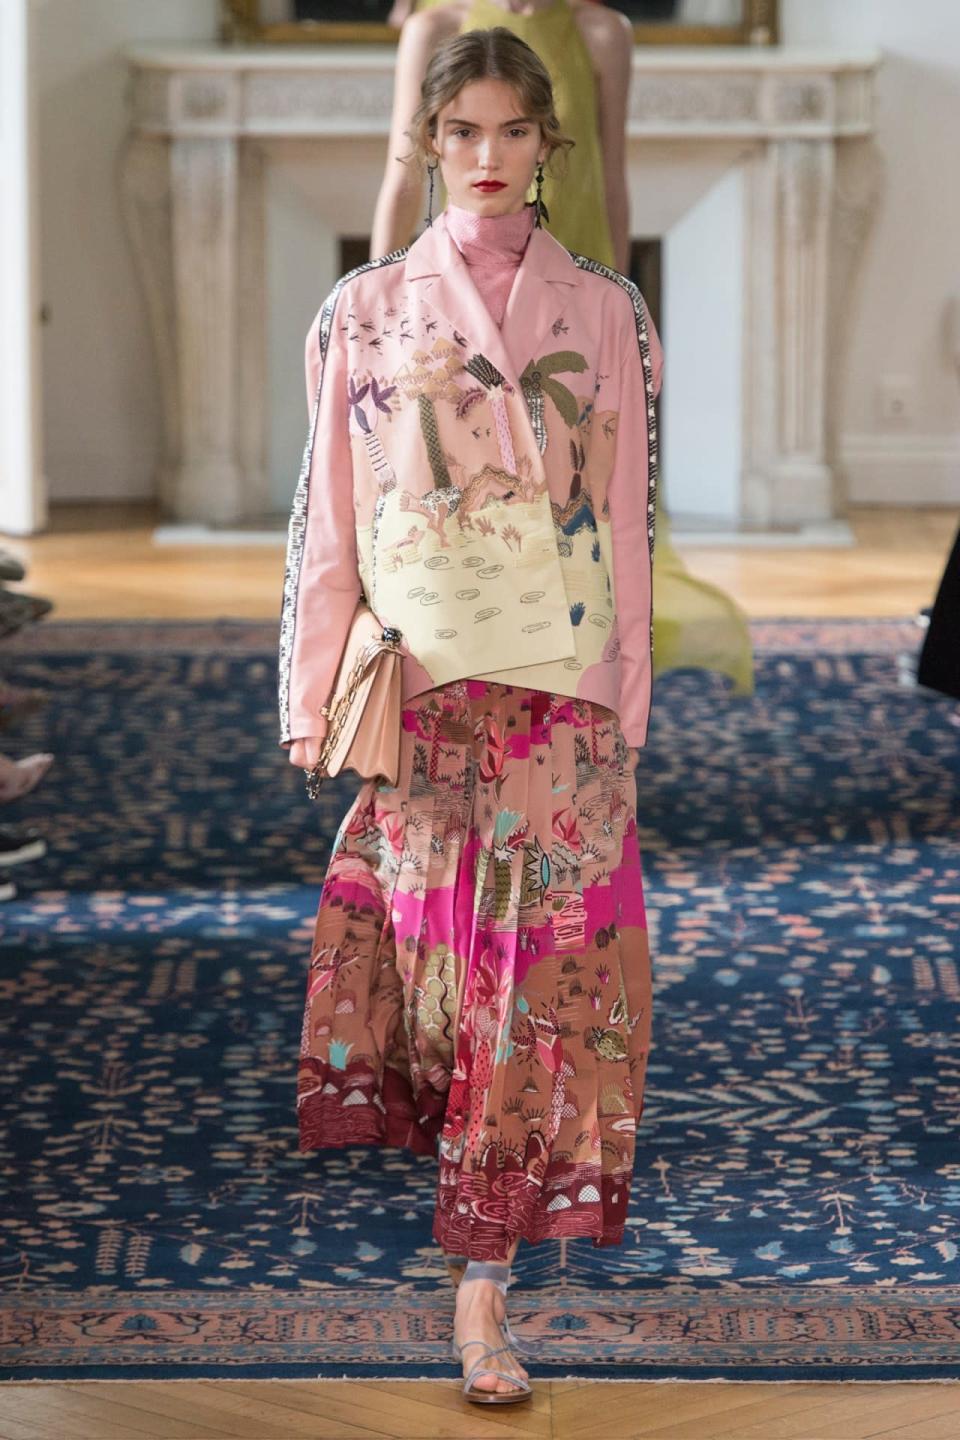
[{"x": 242, "y": 24}]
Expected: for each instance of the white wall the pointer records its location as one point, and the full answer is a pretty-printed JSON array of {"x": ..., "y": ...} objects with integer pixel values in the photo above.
[
  {"x": 101, "y": 415},
  {"x": 22, "y": 491},
  {"x": 911, "y": 264}
]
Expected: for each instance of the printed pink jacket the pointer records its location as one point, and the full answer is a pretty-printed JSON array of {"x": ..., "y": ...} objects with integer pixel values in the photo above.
[{"x": 491, "y": 492}]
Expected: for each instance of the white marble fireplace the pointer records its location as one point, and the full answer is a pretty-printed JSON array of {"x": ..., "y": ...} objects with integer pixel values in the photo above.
[{"x": 755, "y": 167}]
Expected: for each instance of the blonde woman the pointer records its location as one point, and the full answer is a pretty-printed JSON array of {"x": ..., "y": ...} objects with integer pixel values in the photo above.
[{"x": 481, "y": 466}]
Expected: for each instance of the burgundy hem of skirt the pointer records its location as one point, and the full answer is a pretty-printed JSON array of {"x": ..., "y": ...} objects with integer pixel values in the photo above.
[
  {"x": 390, "y": 1120},
  {"x": 526, "y": 1216},
  {"x": 325, "y": 1123}
]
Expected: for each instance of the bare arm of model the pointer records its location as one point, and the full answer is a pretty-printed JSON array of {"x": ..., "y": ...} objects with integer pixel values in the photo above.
[
  {"x": 398, "y": 207},
  {"x": 608, "y": 36}
]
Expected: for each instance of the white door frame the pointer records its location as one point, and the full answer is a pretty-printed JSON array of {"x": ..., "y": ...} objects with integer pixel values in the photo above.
[{"x": 23, "y": 499}]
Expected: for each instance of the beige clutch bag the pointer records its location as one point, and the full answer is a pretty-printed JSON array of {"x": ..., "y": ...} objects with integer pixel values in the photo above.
[{"x": 363, "y": 712}]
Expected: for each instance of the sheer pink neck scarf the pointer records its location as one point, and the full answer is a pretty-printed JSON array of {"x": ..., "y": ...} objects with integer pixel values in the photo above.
[{"x": 492, "y": 246}]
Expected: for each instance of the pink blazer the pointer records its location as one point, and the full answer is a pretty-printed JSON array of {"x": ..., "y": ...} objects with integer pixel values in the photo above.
[{"x": 490, "y": 491}]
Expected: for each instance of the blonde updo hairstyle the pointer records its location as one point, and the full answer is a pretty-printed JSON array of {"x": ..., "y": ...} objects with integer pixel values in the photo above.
[{"x": 495, "y": 54}]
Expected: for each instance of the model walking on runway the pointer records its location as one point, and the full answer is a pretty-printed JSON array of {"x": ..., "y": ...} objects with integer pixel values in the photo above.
[{"x": 481, "y": 467}]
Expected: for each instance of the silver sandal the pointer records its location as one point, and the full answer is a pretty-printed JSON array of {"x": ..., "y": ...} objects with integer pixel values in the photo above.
[{"x": 521, "y": 1391}]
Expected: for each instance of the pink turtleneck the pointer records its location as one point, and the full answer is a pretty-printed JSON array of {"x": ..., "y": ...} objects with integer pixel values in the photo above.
[{"x": 492, "y": 246}]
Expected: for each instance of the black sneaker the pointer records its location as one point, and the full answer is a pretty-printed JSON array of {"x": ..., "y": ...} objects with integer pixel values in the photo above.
[{"x": 18, "y": 844}]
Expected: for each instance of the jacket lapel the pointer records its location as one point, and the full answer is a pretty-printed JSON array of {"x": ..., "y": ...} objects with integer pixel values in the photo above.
[
  {"x": 544, "y": 281},
  {"x": 533, "y": 320},
  {"x": 442, "y": 279}
]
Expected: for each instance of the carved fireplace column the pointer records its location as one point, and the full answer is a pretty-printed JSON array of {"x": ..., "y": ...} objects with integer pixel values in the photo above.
[
  {"x": 787, "y": 477},
  {"x": 195, "y": 210}
]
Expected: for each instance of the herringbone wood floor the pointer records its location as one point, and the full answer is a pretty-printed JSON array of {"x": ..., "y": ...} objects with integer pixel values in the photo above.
[
  {"x": 559, "y": 1410},
  {"x": 102, "y": 564}
]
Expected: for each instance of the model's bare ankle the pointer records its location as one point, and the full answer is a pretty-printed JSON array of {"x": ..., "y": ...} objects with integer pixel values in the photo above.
[{"x": 478, "y": 1293}]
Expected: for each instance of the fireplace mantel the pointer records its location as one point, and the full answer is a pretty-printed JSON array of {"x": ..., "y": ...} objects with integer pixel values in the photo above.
[{"x": 202, "y": 123}]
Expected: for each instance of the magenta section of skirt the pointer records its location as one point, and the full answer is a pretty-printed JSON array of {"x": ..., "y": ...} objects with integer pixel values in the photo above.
[{"x": 479, "y": 982}]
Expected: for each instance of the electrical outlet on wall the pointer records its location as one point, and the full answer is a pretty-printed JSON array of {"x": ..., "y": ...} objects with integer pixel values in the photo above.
[{"x": 896, "y": 399}]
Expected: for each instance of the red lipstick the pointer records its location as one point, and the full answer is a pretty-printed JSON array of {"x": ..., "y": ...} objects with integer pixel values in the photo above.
[{"x": 489, "y": 185}]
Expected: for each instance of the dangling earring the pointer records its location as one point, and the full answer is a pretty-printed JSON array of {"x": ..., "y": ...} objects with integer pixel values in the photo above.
[
  {"x": 540, "y": 210},
  {"x": 431, "y": 171}
]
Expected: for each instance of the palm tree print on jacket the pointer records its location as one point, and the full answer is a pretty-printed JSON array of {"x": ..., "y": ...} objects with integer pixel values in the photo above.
[{"x": 539, "y": 380}]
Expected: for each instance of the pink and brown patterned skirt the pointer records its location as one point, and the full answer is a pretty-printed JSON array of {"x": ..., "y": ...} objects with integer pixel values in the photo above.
[{"x": 479, "y": 984}]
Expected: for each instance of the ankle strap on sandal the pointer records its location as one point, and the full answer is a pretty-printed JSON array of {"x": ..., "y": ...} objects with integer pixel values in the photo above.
[{"x": 487, "y": 1270}]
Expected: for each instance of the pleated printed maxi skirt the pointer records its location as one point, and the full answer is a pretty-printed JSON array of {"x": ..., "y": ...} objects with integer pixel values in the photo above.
[{"x": 479, "y": 982}]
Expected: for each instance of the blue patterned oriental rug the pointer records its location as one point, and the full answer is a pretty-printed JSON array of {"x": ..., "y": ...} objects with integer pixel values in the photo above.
[{"x": 796, "y": 1209}]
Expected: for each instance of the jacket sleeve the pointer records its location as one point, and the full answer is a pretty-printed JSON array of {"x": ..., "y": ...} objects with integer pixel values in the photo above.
[
  {"x": 322, "y": 581},
  {"x": 632, "y": 498}
]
